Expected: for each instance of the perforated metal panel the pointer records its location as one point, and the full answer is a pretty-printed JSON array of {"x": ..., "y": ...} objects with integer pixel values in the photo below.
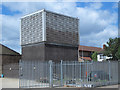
[
  {"x": 31, "y": 29},
  {"x": 61, "y": 29},
  {"x": 50, "y": 27}
]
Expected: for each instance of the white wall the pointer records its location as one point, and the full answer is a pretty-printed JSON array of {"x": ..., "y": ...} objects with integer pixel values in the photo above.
[
  {"x": 98, "y": 58},
  {"x": 103, "y": 57}
]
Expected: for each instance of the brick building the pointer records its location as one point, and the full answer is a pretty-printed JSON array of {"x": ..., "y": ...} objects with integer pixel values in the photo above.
[
  {"x": 85, "y": 52},
  {"x": 46, "y": 35},
  {"x": 9, "y": 62}
]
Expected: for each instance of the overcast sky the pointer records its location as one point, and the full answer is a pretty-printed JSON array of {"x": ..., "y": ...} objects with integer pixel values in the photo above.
[{"x": 98, "y": 21}]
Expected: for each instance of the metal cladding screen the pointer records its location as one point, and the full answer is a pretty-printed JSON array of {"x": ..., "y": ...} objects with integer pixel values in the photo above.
[
  {"x": 61, "y": 29},
  {"x": 50, "y": 27},
  {"x": 31, "y": 29}
]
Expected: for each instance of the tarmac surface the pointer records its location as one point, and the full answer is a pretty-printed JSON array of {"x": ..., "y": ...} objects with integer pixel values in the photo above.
[
  {"x": 14, "y": 83},
  {"x": 110, "y": 86}
]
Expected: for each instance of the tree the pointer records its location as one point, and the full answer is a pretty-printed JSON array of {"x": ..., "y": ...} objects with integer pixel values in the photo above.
[
  {"x": 118, "y": 53},
  {"x": 112, "y": 48},
  {"x": 94, "y": 56}
]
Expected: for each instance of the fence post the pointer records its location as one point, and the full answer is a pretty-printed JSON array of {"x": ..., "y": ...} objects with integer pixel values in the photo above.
[
  {"x": 80, "y": 71},
  {"x": 92, "y": 67},
  {"x": 109, "y": 71},
  {"x": 51, "y": 74},
  {"x": 20, "y": 73},
  {"x": 61, "y": 65},
  {"x": 118, "y": 71}
]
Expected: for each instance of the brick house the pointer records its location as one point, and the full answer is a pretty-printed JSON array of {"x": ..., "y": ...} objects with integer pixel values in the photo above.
[{"x": 85, "y": 52}]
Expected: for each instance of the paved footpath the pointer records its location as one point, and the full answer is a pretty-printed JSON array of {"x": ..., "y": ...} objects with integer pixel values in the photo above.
[
  {"x": 110, "y": 86},
  {"x": 9, "y": 83}
]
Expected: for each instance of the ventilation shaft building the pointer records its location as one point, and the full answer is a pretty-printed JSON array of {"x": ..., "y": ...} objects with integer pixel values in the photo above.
[{"x": 46, "y": 35}]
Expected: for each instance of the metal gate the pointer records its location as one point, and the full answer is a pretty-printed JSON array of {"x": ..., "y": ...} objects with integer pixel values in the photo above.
[{"x": 38, "y": 74}]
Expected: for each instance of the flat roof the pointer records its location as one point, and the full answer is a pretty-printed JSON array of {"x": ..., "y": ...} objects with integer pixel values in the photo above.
[
  {"x": 32, "y": 13},
  {"x": 47, "y": 11}
]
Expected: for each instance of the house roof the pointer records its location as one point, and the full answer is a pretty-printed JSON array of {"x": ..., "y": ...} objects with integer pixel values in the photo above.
[
  {"x": 7, "y": 51},
  {"x": 89, "y": 48}
]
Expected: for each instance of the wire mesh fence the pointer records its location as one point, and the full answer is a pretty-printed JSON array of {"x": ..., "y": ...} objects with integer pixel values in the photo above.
[{"x": 38, "y": 74}]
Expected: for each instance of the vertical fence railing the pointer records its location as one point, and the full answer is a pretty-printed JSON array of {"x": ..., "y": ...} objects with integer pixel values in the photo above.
[
  {"x": 79, "y": 74},
  {"x": 109, "y": 71},
  {"x": 51, "y": 73},
  {"x": 61, "y": 66},
  {"x": 20, "y": 73}
]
